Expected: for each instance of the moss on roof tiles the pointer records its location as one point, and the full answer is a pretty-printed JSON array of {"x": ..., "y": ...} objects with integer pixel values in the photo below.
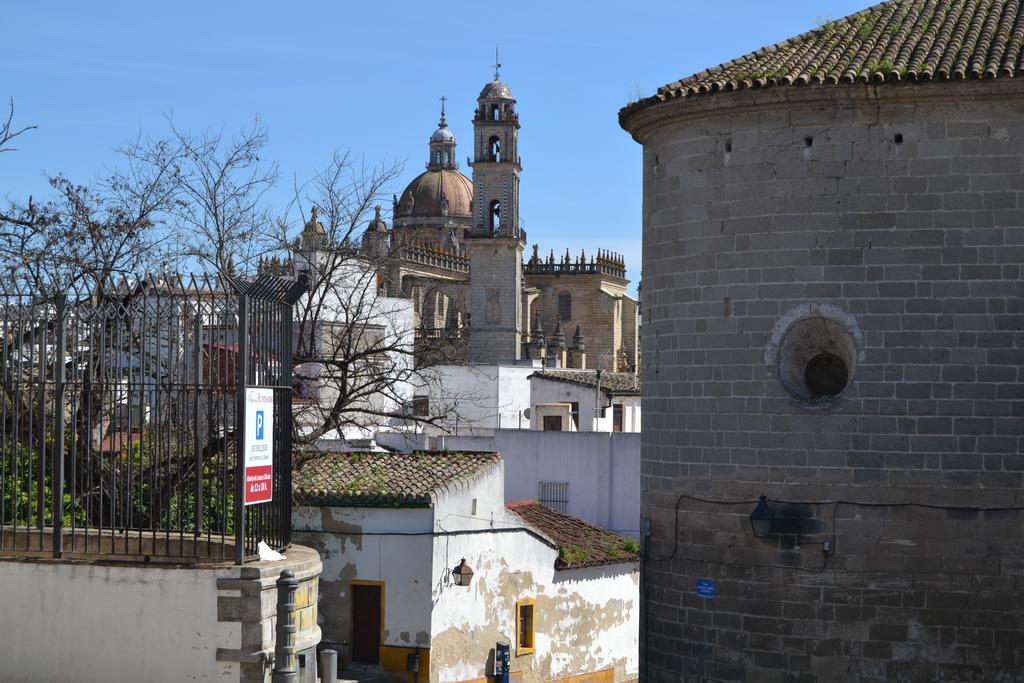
[
  {"x": 900, "y": 40},
  {"x": 383, "y": 479},
  {"x": 580, "y": 544}
]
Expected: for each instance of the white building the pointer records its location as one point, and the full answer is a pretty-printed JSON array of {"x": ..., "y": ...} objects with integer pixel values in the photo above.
[
  {"x": 391, "y": 529},
  {"x": 351, "y": 340},
  {"x": 594, "y": 476},
  {"x": 584, "y": 401},
  {"x": 476, "y": 398}
]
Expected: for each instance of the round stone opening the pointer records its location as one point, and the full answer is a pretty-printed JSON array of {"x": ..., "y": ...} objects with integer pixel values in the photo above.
[
  {"x": 826, "y": 375},
  {"x": 816, "y": 359}
]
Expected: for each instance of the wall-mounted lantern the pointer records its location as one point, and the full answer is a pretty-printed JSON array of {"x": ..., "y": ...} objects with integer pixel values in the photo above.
[
  {"x": 761, "y": 518},
  {"x": 463, "y": 574}
]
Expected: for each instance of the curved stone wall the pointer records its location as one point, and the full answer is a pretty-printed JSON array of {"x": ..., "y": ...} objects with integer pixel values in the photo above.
[{"x": 833, "y": 313}]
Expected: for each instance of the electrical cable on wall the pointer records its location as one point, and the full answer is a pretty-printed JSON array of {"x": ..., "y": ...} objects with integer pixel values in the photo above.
[{"x": 645, "y": 557}]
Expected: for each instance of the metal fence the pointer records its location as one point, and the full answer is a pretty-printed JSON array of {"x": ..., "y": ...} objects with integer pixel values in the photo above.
[{"x": 122, "y": 418}]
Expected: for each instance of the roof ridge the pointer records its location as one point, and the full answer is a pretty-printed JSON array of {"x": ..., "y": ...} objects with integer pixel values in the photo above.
[
  {"x": 891, "y": 41},
  {"x": 773, "y": 47},
  {"x": 391, "y": 479}
]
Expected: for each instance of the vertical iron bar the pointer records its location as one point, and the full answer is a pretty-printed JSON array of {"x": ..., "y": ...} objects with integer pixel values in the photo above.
[
  {"x": 6, "y": 469},
  {"x": 287, "y": 371},
  {"x": 242, "y": 381},
  {"x": 58, "y": 436},
  {"x": 40, "y": 450},
  {"x": 197, "y": 445},
  {"x": 16, "y": 445},
  {"x": 72, "y": 411}
]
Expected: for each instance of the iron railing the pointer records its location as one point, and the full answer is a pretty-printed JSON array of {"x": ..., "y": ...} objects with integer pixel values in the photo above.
[{"x": 122, "y": 417}]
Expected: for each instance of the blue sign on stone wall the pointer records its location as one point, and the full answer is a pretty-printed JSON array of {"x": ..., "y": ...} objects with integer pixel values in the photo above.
[{"x": 705, "y": 588}]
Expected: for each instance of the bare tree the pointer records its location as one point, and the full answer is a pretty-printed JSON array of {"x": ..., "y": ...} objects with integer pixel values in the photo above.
[
  {"x": 82, "y": 232},
  {"x": 358, "y": 366},
  {"x": 219, "y": 185},
  {"x": 8, "y": 132}
]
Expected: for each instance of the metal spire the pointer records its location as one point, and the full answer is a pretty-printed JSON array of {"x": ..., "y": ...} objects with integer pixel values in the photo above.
[
  {"x": 497, "y": 64},
  {"x": 443, "y": 100}
]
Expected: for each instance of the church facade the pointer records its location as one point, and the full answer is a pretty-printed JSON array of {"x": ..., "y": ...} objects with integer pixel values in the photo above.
[{"x": 456, "y": 249}]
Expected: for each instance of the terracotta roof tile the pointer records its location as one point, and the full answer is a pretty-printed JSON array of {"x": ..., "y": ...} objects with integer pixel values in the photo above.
[
  {"x": 612, "y": 383},
  {"x": 383, "y": 479},
  {"x": 579, "y": 544},
  {"x": 899, "y": 40}
]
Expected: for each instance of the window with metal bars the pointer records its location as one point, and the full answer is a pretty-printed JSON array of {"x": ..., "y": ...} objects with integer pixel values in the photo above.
[
  {"x": 554, "y": 494},
  {"x": 564, "y": 306}
]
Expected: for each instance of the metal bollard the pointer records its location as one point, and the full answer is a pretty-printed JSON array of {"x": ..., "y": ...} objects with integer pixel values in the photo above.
[
  {"x": 285, "y": 670},
  {"x": 328, "y": 666}
]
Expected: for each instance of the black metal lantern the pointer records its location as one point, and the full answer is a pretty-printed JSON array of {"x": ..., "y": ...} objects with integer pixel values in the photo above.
[
  {"x": 463, "y": 574},
  {"x": 761, "y": 518}
]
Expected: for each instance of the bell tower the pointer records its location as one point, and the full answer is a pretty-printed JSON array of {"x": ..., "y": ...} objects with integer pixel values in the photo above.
[
  {"x": 495, "y": 162},
  {"x": 495, "y": 242}
]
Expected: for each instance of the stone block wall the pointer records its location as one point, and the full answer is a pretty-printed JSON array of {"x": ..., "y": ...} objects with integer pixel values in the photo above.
[
  {"x": 598, "y": 311},
  {"x": 892, "y": 218},
  {"x": 495, "y": 299}
]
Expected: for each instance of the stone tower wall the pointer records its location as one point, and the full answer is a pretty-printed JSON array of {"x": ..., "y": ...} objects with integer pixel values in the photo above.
[
  {"x": 495, "y": 299},
  {"x": 893, "y": 216}
]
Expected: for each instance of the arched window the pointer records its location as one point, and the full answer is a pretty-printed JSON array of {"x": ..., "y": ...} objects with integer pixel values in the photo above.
[
  {"x": 496, "y": 112},
  {"x": 494, "y": 146},
  {"x": 437, "y": 157},
  {"x": 565, "y": 306},
  {"x": 446, "y": 159},
  {"x": 495, "y": 217}
]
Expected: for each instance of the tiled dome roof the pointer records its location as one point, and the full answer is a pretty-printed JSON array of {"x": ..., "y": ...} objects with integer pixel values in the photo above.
[
  {"x": 496, "y": 90},
  {"x": 425, "y": 195},
  {"x": 443, "y": 134}
]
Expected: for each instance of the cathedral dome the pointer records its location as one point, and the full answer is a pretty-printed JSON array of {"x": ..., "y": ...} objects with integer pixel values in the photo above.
[
  {"x": 443, "y": 134},
  {"x": 438, "y": 192},
  {"x": 496, "y": 90}
]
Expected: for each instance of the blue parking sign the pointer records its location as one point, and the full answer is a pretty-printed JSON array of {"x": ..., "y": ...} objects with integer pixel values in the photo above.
[{"x": 259, "y": 425}]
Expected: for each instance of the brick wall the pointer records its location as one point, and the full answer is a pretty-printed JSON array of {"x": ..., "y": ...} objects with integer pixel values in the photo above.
[{"x": 898, "y": 211}]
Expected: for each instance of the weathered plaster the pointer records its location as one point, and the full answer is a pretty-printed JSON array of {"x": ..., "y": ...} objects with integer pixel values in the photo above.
[{"x": 586, "y": 619}]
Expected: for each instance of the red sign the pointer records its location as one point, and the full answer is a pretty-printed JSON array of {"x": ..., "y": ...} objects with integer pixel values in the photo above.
[
  {"x": 259, "y": 484},
  {"x": 258, "y": 446}
]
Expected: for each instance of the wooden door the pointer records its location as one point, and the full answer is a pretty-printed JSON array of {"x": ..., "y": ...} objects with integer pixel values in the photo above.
[{"x": 366, "y": 624}]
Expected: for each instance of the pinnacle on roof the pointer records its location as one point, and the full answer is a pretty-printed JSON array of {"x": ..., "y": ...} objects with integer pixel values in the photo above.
[
  {"x": 577, "y": 339},
  {"x": 557, "y": 339},
  {"x": 899, "y": 40},
  {"x": 537, "y": 333}
]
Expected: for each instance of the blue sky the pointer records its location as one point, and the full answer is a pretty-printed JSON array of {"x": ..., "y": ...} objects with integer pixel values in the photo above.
[{"x": 367, "y": 77}]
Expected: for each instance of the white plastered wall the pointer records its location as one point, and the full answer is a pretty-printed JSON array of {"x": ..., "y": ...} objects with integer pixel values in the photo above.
[
  {"x": 355, "y": 544},
  {"x": 586, "y": 619},
  {"x": 86, "y": 622}
]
